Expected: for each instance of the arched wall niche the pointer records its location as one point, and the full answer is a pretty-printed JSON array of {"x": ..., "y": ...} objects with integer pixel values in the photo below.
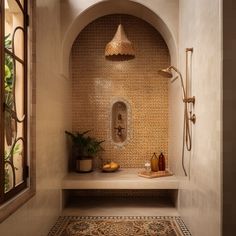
[{"x": 114, "y": 7}]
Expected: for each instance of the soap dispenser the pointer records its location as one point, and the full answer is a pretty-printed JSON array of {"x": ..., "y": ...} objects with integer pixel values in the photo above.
[{"x": 161, "y": 162}]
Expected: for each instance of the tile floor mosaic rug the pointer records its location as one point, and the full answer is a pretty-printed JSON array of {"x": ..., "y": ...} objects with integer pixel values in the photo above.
[{"x": 119, "y": 226}]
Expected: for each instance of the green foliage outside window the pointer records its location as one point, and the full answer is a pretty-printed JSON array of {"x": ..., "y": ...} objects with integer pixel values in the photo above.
[{"x": 9, "y": 79}]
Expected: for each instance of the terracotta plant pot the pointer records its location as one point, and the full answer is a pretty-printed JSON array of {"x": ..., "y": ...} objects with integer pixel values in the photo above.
[{"x": 84, "y": 164}]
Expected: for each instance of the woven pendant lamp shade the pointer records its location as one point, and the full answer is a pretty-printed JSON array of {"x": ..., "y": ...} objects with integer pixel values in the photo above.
[{"x": 119, "y": 45}]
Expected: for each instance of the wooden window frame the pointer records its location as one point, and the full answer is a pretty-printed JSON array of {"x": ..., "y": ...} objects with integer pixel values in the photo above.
[{"x": 10, "y": 202}]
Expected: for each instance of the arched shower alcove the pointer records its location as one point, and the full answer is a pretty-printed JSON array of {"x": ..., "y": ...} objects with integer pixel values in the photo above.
[
  {"x": 97, "y": 180},
  {"x": 97, "y": 82},
  {"x": 75, "y": 18}
]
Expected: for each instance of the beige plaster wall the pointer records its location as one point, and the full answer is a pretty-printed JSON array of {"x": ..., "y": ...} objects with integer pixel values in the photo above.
[
  {"x": 52, "y": 118},
  {"x": 200, "y": 196}
]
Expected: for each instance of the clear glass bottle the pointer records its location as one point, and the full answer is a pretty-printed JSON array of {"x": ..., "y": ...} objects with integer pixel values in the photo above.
[{"x": 147, "y": 166}]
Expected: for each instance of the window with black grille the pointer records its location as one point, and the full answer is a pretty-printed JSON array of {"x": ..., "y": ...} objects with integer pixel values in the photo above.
[{"x": 14, "y": 99}]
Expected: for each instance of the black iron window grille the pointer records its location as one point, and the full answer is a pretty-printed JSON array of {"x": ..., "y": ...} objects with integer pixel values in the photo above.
[{"x": 14, "y": 99}]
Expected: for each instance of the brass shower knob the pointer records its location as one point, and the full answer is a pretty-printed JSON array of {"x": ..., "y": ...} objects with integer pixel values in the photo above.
[{"x": 193, "y": 118}]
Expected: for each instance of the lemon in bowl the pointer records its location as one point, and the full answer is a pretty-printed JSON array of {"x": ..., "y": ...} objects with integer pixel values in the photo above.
[{"x": 110, "y": 167}]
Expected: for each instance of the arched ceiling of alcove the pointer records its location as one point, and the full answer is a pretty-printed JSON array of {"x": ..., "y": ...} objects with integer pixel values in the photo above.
[{"x": 115, "y": 7}]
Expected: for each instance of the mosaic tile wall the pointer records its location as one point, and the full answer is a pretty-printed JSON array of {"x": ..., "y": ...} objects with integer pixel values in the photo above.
[{"x": 98, "y": 81}]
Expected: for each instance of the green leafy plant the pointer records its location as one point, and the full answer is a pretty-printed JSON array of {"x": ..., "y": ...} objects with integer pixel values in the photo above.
[
  {"x": 85, "y": 146},
  {"x": 9, "y": 98},
  {"x": 9, "y": 74},
  {"x": 8, "y": 66},
  {"x": 16, "y": 150},
  {"x": 8, "y": 82}
]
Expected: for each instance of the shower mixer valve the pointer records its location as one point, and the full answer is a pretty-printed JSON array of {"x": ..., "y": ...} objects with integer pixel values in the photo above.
[{"x": 119, "y": 130}]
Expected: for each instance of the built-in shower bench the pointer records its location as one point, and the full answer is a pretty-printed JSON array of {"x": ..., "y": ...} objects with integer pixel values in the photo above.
[
  {"x": 122, "y": 179},
  {"x": 114, "y": 193}
]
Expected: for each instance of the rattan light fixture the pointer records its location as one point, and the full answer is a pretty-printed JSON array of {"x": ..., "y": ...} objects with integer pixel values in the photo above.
[{"x": 119, "y": 45}]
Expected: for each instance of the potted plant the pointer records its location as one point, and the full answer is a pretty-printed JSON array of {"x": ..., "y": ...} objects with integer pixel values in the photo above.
[{"x": 84, "y": 149}]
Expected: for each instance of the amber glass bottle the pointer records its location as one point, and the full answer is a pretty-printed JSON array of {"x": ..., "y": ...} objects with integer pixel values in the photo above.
[
  {"x": 154, "y": 162},
  {"x": 162, "y": 162}
]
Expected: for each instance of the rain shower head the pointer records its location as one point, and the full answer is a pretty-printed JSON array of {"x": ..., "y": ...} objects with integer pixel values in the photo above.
[{"x": 166, "y": 72}]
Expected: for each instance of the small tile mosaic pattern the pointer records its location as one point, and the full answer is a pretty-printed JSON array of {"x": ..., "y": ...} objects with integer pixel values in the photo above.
[
  {"x": 97, "y": 81},
  {"x": 119, "y": 225}
]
